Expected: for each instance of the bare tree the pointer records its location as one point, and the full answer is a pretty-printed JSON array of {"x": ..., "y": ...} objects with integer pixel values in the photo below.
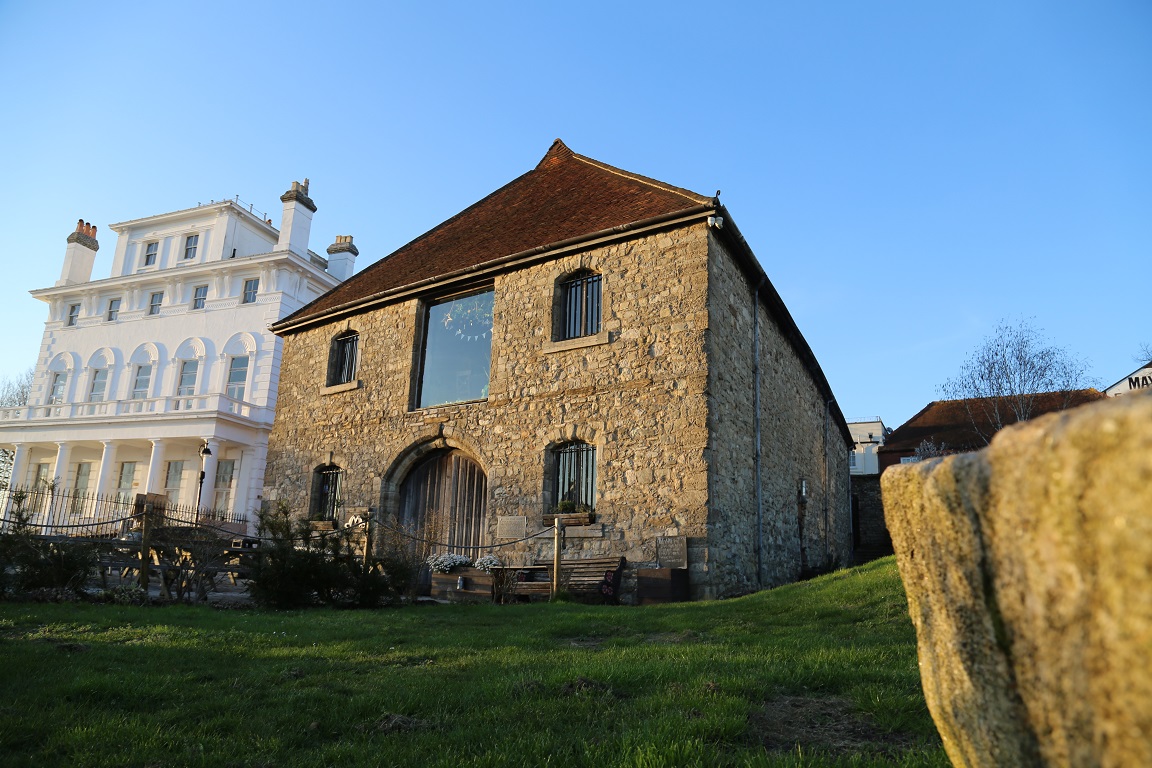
[
  {"x": 14, "y": 392},
  {"x": 1003, "y": 378},
  {"x": 1144, "y": 354}
]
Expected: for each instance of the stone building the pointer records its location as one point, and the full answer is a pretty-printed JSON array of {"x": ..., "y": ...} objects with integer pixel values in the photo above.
[
  {"x": 870, "y": 537},
  {"x": 583, "y": 335},
  {"x": 958, "y": 426},
  {"x": 142, "y": 370}
]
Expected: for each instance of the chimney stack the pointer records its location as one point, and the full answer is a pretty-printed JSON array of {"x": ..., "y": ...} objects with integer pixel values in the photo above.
[
  {"x": 80, "y": 255},
  {"x": 342, "y": 257},
  {"x": 296, "y": 223}
]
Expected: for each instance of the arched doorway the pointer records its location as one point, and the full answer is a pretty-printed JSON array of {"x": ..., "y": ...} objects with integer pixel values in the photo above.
[{"x": 443, "y": 501}]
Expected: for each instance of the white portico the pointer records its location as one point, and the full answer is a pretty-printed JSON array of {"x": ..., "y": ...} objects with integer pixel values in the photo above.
[{"x": 141, "y": 371}]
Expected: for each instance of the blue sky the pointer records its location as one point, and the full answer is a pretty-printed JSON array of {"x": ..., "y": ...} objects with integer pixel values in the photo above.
[{"x": 908, "y": 173}]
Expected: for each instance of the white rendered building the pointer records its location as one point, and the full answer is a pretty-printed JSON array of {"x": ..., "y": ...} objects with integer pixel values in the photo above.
[
  {"x": 139, "y": 371},
  {"x": 869, "y": 436}
]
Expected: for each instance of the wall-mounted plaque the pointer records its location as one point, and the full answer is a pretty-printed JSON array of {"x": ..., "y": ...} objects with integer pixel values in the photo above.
[
  {"x": 511, "y": 527},
  {"x": 672, "y": 551}
]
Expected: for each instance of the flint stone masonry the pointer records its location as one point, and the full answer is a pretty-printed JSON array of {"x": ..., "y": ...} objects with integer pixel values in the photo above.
[
  {"x": 664, "y": 394},
  {"x": 1027, "y": 569}
]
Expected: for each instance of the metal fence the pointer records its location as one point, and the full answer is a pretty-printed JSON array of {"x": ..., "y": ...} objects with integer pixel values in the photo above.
[{"x": 52, "y": 511}]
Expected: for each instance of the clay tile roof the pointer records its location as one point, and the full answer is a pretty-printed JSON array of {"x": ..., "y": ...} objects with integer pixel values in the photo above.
[
  {"x": 565, "y": 196},
  {"x": 948, "y": 421}
]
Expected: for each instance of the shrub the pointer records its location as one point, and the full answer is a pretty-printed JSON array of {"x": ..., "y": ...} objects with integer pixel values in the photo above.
[{"x": 297, "y": 566}]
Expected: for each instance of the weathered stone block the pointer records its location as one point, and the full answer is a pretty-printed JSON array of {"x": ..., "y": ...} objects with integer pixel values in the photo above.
[{"x": 1027, "y": 567}]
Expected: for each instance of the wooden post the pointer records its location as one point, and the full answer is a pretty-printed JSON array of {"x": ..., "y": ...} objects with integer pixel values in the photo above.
[
  {"x": 143, "y": 511},
  {"x": 368, "y": 540},
  {"x": 557, "y": 537}
]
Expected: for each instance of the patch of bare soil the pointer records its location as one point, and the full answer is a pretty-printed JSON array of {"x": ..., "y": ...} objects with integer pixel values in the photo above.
[{"x": 829, "y": 724}]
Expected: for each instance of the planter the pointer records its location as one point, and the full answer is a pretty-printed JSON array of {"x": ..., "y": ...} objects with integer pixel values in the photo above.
[{"x": 462, "y": 585}]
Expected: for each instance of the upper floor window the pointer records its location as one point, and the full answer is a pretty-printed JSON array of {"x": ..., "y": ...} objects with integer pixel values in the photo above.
[
  {"x": 113, "y": 309},
  {"x": 56, "y": 393},
  {"x": 99, "y": 385},
  {"x": 199, "y": 296},
  {"x": 250, "y": 288},
  {"x": 457, "y": 354},
  {"x": 150, "y": 252},
  {"x": 237, "y": 377},
  {"x": 142, "y": 382},
  {"x": 575, "y": 473},
  {"x": 73, "y": 315},
  {"x": 582, "y": 305},
  {"x": 342, "y": 358},
  {"x": 190, "y": 244},
  {"x": 154, "y": 302},
  {"x": 186, "y": 385},
  {"x": 852, "y": 459}
]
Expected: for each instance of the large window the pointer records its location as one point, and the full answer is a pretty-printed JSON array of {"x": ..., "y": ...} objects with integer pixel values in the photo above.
[
  {"x": 237, "y": 377},
  {"x": 154, "y": 302},
  {"x": 56, "y": 393},
  {"x": 99, "y": 385},
  {"x": 113, "y": 309},
  {"x": 186, "y": 386},
  {"x": 457, "y": 353},
  {"x": 225, "y": 471},
  {"x": 73, "y": 315},
  {"x": 150, "y": 251},
  {"x": 575, "y": 472},
  {"x": 126, "y": 477},
  {"x": 326, "y": 482},
  {"x": 251, "y": 286},
  {"x": 190, "y": 245},
  {"x": 142, "y": 382},
  {"x": 342, "y": 358},
  {"x": 172, "y": 478},
  {"x": 582, "y": 305},
  {"x": 199, "y": 296}
]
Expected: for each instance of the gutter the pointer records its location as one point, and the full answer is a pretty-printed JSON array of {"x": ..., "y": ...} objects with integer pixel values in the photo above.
[{"x": 484, "y": 269}]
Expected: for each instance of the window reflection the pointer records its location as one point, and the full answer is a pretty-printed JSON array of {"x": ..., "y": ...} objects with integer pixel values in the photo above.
[{"x": 457, "y": 354}]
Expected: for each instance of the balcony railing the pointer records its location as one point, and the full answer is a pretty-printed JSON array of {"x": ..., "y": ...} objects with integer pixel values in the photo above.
[{"x": 105, "y": 409}]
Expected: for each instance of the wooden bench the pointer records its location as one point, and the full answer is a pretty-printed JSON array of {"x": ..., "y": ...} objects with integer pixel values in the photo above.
[{"x": 595, "y": 577}]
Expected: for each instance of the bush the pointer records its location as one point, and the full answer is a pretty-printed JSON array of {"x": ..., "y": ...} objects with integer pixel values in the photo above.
[
  {"x": 29, "y": 563},
  {"x": 297, "y": 567}
]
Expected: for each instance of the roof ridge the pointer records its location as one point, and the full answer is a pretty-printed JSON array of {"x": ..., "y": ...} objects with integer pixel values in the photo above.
[{"x": 693, "y": 196}]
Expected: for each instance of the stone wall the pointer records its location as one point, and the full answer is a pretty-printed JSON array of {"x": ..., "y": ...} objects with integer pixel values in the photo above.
[
  {"x": 800, "y": 441},
  {"x": 638, "y": 397},
  {"x": 870, "y": 534},
  {"x": 641, "y": 393},
  {"x": 1026, "y": 567}
]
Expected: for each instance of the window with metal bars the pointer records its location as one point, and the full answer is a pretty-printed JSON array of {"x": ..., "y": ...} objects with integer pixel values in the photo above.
[
  {"x": 582, "y": 305},
  {"x": 576, "y": 474},
  {"x": 326, "y": 482},
  {"x": 342, "y": 358}
]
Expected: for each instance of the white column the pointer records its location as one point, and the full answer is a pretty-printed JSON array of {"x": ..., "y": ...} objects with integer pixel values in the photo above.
[
  {"x": 153, "y": 480},
  {"x": 107, "y": 472},
  {"x": 208, "y": 466},
  {"x": 60, "y": 470},
  {"x": 19, "y": 466}
]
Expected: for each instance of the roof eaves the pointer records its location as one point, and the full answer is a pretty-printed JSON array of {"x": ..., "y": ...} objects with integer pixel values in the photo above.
[{"x": 299, "y": 321}]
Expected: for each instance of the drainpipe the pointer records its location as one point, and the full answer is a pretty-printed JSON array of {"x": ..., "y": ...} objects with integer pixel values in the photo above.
[
  {"x": 827, "y": 522},
  {"x": 756, "y": 422}
]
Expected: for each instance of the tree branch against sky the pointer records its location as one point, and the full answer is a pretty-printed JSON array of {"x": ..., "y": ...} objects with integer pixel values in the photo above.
[
  {"x": 14, "y": 392},
  {"x": 1002, "y": 378}
]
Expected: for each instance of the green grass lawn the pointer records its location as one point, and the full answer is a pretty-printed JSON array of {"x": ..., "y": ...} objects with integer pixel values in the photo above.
[{"x": 819, "y": 673}]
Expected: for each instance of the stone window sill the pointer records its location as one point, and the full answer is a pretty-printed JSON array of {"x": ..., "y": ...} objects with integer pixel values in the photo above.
[
  {"x": 577, "y": 343},
  {"x": 345, "y": 387}
]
